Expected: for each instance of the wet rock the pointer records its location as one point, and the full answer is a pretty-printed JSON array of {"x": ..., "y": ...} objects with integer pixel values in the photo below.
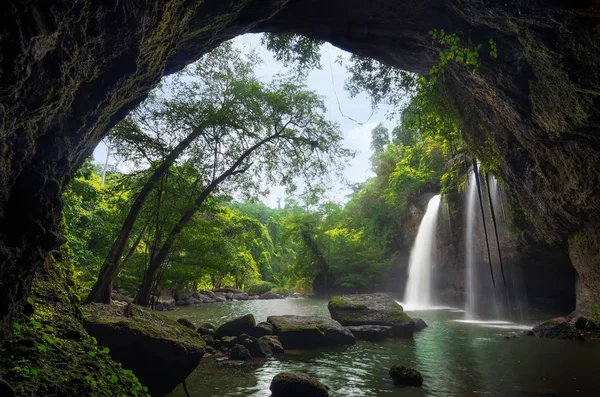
[
  {"x": 220, "y": 298},
  {"x": 186, "y": 323},
  {"x": 239, "y": 352},
  {"x": 208, "y": 293},
  {"x": 241, "y": 325},
  {"x": 295, "y": 384},
  {"x": 371, "y": 309},
  {"x": 262, "y": 329},
  {"x": 228, "y": 341},
  {"x": 371, "y": 332},
  {"x": 419, "y": 324},
  {"x": 241, "y": 296},
  {"x": 584, "y": 323},
  {"x": 206, "y": 329},
  {"x": 557, "y": 328},
  {"x": 208, "y": 339},
  {"x": 298, "y": 332},
  {"x": 528, "y": 333},
  {"x": 160, "y": 351},
  {"x": 405, "y": 376},
  {"x": 274, "y": 343},
  {"x": 270, "y": 295}
]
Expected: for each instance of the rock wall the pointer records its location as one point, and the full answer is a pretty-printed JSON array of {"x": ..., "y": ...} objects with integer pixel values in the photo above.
[{"x": 70, "y": 69}]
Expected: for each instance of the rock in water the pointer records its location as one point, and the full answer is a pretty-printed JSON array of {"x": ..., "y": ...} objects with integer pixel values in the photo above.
[
  {"x": 237, "y": 326},
  {"x": 557, "y": 328},
  {"x": 419, "y": 324},
  {"x": 299, "y": 332},
  {"x": 371, "y": 309},
  {"x": 295, "y": 384},
  {"x": 160, "y": 351},
  {"x": 239, "y": 352},
  {"x": 263, "y": 329},
  {"x": 371, "y": 332},
  {"x": 274, "y": 343},
  {"x": 404, "y": 376},
  {"x": 270, "y": 295},
  {"x": 186, "y": 323}
]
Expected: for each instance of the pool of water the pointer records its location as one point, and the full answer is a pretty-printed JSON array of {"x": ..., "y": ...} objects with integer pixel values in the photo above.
[{"x": 455, "y": 357}]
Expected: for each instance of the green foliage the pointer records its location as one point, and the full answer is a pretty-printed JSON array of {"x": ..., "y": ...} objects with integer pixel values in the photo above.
[{"x": 259, "y": 287}]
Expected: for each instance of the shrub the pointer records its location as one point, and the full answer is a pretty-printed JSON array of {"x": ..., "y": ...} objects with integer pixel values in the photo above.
[{"x": 259, "y": 287}]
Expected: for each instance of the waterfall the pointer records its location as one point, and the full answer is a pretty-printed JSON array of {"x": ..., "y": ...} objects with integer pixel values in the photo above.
[
  {"x": 418, "y": 287},
  {"x": 471, "y": 283}
]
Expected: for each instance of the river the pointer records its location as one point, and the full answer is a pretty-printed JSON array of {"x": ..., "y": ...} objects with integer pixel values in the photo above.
[{"x": 455, "y": 358}]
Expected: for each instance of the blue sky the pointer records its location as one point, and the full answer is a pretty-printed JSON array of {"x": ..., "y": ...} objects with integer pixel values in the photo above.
[{"x": 326, "y": 81}]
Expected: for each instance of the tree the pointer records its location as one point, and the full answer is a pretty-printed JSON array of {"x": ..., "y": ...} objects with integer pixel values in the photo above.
[{"x": 380, "y": 137}]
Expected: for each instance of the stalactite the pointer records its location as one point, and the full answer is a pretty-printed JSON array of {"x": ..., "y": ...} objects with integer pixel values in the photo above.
[
  {"x": 487, "y": 243},
  {"x": 487, "y": 182}
]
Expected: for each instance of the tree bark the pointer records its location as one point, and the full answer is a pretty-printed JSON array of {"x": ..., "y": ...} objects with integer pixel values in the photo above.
[
  {"x": 111, "y": 267},
  {"x": 143, "y": 296}
]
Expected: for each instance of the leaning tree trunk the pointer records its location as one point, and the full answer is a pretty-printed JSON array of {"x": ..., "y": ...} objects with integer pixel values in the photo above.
[
  {"x": 110, "y": 269},
  {"x": 143, "y": 296}
]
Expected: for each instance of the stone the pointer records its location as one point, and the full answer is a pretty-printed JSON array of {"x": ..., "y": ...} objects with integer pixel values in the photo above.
[
  {"x": 237, "y": 326},
  {"x": 186, "y": 323},
  {"x": 270, "y": 295},
  {"x": 262, "y": 329},
  {"x": 241, "y": 296},
  {"x": 274, "y": 343},
  {"x": 557, "y": 328},
  {"x": 259, "y": 348},
  {"x": 299, "y": 332},
  {"x": 419, "y": 324},
  {"x": 584, "y": 323},
  {"x": 371, "y": 332},
  {"x": 208, "y": 293},
  {"x": 371, "y": 309},
  {"x": 528, "y": 333},
  {"x": 203, "y": 330},
  {"x": 228, "y": 341},
  {"x": 239, "y": 352},
  {"x": 405, "y": 376},
  {"x": 295, "y": 384},
  {"x": 160, "y": 351},
  {"x": 220, "y": 298},
  {"x": 228, "y": 290},
  {"x": 208, "y": 339}
]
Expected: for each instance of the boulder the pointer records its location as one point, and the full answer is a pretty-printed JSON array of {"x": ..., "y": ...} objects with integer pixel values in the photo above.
[
  {"x": 295, "y": 384},
  {"x": 557, "y": 328},
  {"x": 270, "y": 295},
  {"x": 419, "y": 324},
  {"x": 239, "y": 352},
  {"x": 237, "y": 326},
  {"x": 297, "y": 332},
  {"x": 204, "y": 330},
  {"x": 220, "y": 298},
  {"x": 371, "y": 332},
  {"x": 228, "y": 341},
  {"x": 241, "y": 296},
  {"x": 208, "y": 293},
  {"x": 256, "y": 347},
  {"x": 584, "y": 323},
  {"x": 186, "y": 323},
  {"x": 274, "y": 343},
  {"x": 228, "y": 290},
  {"x": 229, "y": 295},
  {"x": 160, "y": 351},
  {"x": 262, "y": 329},
  {"x": 208, "y": 339},
  {"x": 404, "y": 376},
  {"x": 371, "y": 309}
]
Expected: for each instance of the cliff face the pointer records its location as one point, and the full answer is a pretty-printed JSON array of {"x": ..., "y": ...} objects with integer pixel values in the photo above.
[{"x": 69, "y": 70}]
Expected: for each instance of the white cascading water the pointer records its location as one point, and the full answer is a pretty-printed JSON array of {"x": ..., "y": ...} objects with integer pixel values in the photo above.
[
  {"x": 418, "y": 286},
  {"x": 469, "y": 249}
]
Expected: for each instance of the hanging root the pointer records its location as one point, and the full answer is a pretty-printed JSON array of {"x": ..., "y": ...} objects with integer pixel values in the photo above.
[
  {"x": 487, "y": 182},
  {"x": 487, "y": 243}
]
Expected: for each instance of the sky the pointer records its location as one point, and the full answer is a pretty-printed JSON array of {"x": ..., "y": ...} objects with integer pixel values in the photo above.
[{"x": 327, "y": 82}]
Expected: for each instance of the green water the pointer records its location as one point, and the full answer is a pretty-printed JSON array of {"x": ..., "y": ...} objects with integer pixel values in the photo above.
[{"x": 455, "y": 359}]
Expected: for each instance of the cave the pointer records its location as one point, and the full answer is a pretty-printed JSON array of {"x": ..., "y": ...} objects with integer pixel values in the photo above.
[{"x": 70, "y": 70}]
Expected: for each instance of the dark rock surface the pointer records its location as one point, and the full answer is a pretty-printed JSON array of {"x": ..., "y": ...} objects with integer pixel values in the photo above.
[
  {"x": 371, "y": 332},
  {"x": 419, "y": 324},
  {"x": 371, "y": 309},
  {"x": 160, "y": 351},
  {"x": 404, "y": 376},
  {"x": 274, "y": 343},
  {"x": 263, "y": 329},
  {"x": 295, "y": 384},
  {"x": 300, "y": 332},
  {"x": 237, "y": 326},
  {"x": 557, "y": 328},
  {"x": 270, "y": 295},
  {"x": 239, "y": 352},
  {"x": 186, "y": 323}
]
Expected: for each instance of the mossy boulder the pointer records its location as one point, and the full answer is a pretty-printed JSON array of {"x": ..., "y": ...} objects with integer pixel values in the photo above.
[
  {"x": 49, "y": 353},
  {"x": 239, "y": 352},
  {"x": 557, "y": 328},
  {"x": 405, "y": 376},
  {"x": 186, "y": 323},
  {"x": 300, "y": 332},
  {"x": 274, "y": 343},
  {"x": 263, "y": 329},
  {"x": 371, "y": 309},
  {"x": 237, "y": 326},
  {"x": 160, "y": 351},
  {"x": 420, "y": 324},
  {"x": 295, "y": 384},
  {"x": 371, "y": 332}
]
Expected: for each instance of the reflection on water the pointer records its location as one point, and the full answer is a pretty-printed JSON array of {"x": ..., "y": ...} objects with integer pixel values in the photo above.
[{"x": 456, "y": 358}]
